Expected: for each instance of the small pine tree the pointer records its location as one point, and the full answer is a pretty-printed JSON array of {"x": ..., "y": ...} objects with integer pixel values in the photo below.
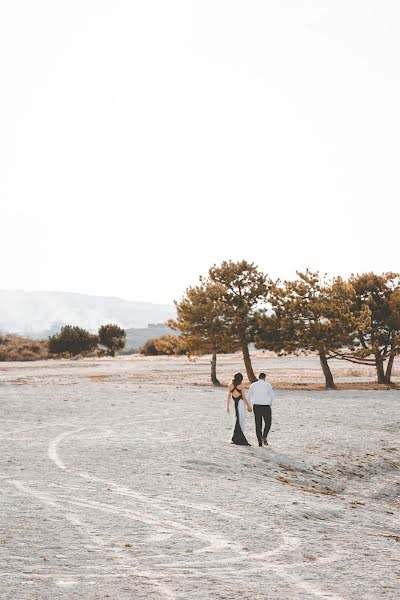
[
  {"x": 72, "y": 340},
  {"x": 112, "y": 337}
]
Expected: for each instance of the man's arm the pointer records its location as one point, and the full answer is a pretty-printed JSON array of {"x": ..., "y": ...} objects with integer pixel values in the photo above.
[{"x": 271, "y": 394}]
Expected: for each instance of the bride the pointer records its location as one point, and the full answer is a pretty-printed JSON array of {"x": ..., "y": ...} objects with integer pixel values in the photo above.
[{"x": 236, "y": 390}]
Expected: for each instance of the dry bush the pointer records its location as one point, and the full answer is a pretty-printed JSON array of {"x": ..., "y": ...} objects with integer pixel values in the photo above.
[
  {"x": 89, "y": 354},
  {"x": 166, "y": 345},
  {"x": 17, "y": 348},
  {"x": 352, "y": 372},
  {"x": 361, "y": 371}
]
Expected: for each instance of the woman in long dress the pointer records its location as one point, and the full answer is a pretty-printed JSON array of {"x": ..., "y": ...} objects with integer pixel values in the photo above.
[{"x": 237, "y": 391}]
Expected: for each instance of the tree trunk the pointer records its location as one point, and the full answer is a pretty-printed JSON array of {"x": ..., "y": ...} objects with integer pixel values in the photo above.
[
  {"x": 392, "y": 354},
  {"x": 380, "y": 371},
  {"x": 247, "y": 362},
  {"x": 389, "y": 368},
  {"x": 329, "y": 383},
  {"x": 214, "y": 368}
]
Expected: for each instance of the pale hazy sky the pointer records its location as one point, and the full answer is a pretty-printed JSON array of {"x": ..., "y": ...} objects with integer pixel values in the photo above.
[{"x": 142, "y": 141}]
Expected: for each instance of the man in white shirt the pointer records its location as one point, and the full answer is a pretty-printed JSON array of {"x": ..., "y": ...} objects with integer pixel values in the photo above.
[{"x": 260, "y": 396}]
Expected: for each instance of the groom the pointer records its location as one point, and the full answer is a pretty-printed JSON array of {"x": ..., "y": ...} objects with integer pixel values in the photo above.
[{"x": 261, "y": 395}]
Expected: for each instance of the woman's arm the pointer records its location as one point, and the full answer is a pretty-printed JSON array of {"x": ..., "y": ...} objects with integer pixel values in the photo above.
[
  {"x": 228, "y": 400},
  {"x": 248, "y": 405}
]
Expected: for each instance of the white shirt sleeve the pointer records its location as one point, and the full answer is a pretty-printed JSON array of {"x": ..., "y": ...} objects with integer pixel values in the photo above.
[{"x": 271, "y": 394}]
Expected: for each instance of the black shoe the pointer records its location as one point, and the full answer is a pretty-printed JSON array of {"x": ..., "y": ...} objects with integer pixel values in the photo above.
[
  {"x": 265, "y": 441},
  {"x": 260, "y": 445}
]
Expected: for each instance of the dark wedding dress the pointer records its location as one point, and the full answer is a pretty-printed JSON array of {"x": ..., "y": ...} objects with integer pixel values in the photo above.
[{"x": 238, "y": 436}]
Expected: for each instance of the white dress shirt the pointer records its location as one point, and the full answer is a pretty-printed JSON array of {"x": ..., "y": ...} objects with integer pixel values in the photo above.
[{"x": 261, "y": 392}]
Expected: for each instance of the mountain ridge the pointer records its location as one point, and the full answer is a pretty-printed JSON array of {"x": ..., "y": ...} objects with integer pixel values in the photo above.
[{"x": 44, "y": 312}]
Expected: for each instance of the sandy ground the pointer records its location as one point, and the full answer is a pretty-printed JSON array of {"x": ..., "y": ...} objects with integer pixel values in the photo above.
[{"x": 118, "y": 481}]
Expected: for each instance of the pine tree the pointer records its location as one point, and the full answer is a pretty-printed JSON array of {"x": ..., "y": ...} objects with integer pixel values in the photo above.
[
  {"x": 112, "y": 337},
  {"x": 378, "y": 337},
  {"x": 310, "y": 314},
  {"x": 202, "y": 325},
  {"x": 243, "y": 289},
  {"x": 72, "y": 340}
]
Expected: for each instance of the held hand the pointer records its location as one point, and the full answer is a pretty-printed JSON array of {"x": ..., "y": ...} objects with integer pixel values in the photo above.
[{"x": 249, "y": 409}]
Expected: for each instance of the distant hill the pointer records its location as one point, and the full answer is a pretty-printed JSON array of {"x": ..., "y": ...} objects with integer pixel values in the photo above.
[
  {"x": 135, "y": 338},
  {"x": 38, "y": 314}
]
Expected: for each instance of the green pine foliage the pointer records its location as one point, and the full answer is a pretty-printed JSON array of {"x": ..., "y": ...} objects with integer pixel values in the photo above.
[
  {"x": 203, "y": 325},
  {"x": 72, "y": 340},
  {"x": 112, "y": 337}
]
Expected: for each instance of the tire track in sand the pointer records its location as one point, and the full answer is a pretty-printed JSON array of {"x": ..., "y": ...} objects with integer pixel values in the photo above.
[
  {"x": 96, "y": 538},
  {"x": 215, "y": 542}
]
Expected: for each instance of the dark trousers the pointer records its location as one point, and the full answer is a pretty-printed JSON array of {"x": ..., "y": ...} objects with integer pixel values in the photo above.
[{"x": 262, "y": 412}]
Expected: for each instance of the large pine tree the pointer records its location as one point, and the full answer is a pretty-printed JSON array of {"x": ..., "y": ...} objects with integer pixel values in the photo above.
[
  {"x": 243, "y": 289},
  {"x": 310, "y": 314},
  {"x": 378, "y": 337},
  {"x": 201, "y": 321}
]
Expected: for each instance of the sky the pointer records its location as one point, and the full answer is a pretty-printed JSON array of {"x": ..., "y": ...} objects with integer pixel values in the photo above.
[{"x": 143, "y": 141}]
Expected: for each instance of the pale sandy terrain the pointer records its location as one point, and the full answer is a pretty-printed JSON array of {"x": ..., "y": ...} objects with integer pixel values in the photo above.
[{"x": 118, "y": 481}]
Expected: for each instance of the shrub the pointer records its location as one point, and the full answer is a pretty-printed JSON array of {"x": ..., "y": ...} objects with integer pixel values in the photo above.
[
  {"x": 18, "y": 348},
  {"x": 128, "y": 351},
  {"x": 149, "y": 348},
  {"x": 164, "y": 346},
  {"x": 72, "y": 340},
  {"x": 112, "y": 337}
]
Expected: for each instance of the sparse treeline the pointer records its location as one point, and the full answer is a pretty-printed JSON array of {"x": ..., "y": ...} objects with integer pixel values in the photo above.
[
  {"x": 355, "y": 320},
  {"x": 74, "y": 340},
  {"x": 70, "y": 341}
]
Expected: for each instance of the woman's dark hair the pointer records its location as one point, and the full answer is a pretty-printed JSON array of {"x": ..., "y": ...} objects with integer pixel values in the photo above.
[{"x": 237, "y": 378}]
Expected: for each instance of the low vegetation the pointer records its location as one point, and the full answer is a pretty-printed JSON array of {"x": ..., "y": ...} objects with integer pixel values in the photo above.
[
  {"x": 167, "y": 345},
  {"x": 17, "y": 348},
  {"x": 70, "y": 341}
]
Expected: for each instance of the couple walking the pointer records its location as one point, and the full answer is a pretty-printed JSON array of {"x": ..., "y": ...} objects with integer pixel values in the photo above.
[{"x": 259, "y": 400}]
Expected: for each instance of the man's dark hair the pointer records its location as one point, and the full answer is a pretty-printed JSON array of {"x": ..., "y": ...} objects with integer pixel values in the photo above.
[{"x": 262, "y": 376}]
